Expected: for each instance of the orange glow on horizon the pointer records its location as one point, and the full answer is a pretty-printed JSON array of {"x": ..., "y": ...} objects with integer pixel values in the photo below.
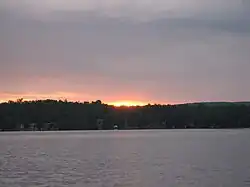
[
  {"x": 5, "y": 97},
  {"x": 37, "y": 96},
  {"x": 127, "y": 103},
  {"x": 116, "y": 103}
]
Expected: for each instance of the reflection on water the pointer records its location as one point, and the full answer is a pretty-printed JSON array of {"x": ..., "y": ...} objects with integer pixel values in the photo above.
[{"x": 197, "y": 158}]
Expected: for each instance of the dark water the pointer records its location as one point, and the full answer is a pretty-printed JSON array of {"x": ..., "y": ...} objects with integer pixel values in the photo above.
[{"x": 197, "y": 158}]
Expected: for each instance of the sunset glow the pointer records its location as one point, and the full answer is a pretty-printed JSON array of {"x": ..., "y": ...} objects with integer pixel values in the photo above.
[
  {"x": 127, "y": 103},
  {"x": 68, "y": 96},
  {"x": 125, "y": 52}
]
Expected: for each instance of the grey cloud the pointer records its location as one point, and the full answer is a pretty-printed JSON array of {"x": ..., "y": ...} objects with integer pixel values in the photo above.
[
  {"x": 172, "y": 58},
  {"x": 134, "y": 9}
]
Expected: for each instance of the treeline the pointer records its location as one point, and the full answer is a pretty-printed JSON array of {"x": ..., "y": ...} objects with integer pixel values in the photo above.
[{"x": 96, "y": 115}]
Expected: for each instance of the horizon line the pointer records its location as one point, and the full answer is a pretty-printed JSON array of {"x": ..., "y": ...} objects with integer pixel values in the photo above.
[{"x": 117, "y": 103}]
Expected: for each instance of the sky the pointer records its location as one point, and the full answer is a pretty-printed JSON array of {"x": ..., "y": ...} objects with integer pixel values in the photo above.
[{"x": 144, "y": 51}]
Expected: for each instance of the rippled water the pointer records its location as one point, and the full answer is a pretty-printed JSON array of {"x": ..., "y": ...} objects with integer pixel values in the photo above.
[{"x": 197, "y": 158}]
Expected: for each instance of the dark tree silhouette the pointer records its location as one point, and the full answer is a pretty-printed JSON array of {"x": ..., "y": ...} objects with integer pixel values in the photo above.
[{"x": 65, "y": 115}]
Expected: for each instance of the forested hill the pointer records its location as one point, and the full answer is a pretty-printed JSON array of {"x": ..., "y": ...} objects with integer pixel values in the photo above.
[{"x": 66, "y": 115}]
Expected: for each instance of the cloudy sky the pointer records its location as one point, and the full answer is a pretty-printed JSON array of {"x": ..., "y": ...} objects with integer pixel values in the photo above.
[{"x": 157, "y": 51}]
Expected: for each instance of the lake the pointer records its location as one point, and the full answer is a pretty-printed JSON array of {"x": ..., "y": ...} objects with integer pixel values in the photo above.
[{"x": 150, "y": 158}]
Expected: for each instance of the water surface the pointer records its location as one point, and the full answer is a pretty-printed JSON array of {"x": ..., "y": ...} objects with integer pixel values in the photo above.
[{"x": 157, "y": 158}]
